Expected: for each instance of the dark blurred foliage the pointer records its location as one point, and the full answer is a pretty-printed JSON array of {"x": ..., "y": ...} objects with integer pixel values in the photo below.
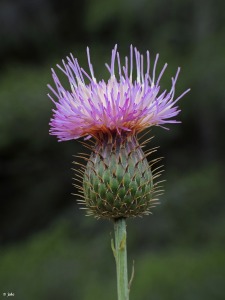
[
  {"x": 40, "y": 218},
  {"x": 32, "y": 30}
]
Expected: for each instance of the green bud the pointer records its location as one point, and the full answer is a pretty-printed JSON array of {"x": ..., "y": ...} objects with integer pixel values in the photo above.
[{"x": 118, "y": 181}]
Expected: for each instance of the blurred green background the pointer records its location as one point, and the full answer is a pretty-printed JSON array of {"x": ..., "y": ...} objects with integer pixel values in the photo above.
[{"x": 49, "y": 249}]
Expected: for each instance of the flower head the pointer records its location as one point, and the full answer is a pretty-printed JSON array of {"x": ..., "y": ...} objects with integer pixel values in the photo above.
[
  {"x": 122, "y": 104},
  {"x": 117, "y": 181}
]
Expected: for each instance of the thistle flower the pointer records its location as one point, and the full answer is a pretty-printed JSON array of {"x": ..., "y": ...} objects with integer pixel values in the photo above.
[{"x": 117, "y": 181}]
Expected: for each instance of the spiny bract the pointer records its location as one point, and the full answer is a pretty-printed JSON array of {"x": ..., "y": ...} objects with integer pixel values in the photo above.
[{"x": 118, "y": 181}]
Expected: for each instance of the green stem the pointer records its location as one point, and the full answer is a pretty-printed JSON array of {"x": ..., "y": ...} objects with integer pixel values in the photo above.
[{"x": 120, "y": 253}]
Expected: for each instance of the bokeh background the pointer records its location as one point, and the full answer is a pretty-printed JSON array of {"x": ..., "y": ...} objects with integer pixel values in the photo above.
[{"x": 49, "y": 249}]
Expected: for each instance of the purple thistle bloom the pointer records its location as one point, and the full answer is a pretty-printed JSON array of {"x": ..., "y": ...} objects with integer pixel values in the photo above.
[{"x": 119, "y": 105}]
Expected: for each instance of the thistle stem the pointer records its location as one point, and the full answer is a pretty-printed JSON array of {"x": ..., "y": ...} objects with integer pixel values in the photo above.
[{"x": 120, "y": 253}]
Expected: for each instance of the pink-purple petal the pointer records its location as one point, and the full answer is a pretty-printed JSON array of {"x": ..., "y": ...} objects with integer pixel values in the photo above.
[{"x": 120, "y": 104}]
